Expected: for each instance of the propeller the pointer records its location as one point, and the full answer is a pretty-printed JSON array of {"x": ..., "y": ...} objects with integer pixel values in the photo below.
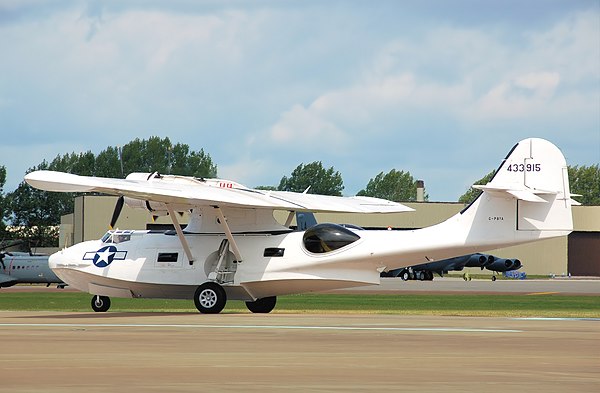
[{"x": 116, "y": 212}]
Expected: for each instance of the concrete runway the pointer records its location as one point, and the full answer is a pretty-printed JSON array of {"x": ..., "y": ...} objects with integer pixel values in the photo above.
[
  {"x": 162, "y": 352},
  {"x": 573, "y": 286}
]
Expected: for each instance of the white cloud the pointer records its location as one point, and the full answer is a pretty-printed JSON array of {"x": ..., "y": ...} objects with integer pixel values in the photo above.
[
  {"x": 304, "y": 126},
  {"x": 469, "y": 75},
  {"x": 525, "y": 95}
]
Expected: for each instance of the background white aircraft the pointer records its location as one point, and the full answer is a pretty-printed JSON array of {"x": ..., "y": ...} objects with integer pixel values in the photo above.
[
  {"x": 233, "y": 248},
  {"x": 25, "y": 268}
]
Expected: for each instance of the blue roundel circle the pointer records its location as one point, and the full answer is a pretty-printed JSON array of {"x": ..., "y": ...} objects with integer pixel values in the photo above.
[{"x": 105, "y": 256}]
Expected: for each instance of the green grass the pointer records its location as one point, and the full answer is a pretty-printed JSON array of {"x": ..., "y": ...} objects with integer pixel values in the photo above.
[{"x": 410, "y": 304}]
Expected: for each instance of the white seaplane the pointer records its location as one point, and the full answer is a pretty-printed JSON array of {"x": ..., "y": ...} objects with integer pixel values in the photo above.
[{"x": 233, "y": 248}]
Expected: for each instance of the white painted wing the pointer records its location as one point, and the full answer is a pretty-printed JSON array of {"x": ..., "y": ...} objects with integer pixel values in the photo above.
[{"x": 197, "y": 193}]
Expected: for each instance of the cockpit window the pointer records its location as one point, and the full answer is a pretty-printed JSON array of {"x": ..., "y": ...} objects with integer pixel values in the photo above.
[
  {"x": 116, "y": 237},
  {"x": 324, "y": 238}
]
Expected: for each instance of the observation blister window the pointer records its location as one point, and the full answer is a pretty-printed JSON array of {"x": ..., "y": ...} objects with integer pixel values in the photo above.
[{"x": 324, "y": 238}]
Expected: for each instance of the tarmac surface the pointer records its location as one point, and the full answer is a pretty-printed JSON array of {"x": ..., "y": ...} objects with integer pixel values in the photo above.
[
  {"x": 191, "y": 352},
  {"x": 563, "y": 286},
  {"x": 181, "y": 352}
]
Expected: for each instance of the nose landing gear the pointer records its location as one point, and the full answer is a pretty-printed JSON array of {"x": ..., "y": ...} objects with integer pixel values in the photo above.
[{"x": 100, "y": 303}]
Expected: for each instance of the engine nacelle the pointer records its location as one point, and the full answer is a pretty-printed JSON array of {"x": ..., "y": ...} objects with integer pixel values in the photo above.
[
  {"x": 504, "y": 265},
  {"x": 175, "y": 179},
  {"x": 159, "y": 208},
  {"x": 156, "y": 208},
  {"x": 143, "y": 176}
]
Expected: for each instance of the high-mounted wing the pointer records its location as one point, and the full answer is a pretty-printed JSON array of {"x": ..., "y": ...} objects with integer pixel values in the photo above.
[{"x": 187, "y": 191}]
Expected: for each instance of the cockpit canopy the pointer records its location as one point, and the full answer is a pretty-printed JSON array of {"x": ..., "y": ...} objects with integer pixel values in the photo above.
[
  {"x": 116, "y": 237},
  {"x": 324, "y": 238}
]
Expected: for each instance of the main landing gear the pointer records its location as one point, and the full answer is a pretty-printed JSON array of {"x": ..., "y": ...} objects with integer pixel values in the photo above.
[
  {"x": 264, "y": 305},
  {"x": 210, "y": 298}
]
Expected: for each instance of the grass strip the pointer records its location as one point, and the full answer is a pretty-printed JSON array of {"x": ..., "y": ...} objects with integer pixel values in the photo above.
[{"x": 549, "y": 305}]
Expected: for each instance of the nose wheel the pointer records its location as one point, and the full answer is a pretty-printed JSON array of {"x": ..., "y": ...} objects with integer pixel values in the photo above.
[{"x": 100, "y": 303}]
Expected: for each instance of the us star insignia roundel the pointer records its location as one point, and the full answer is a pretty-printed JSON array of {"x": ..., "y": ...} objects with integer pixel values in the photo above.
[{"x": 105, "y": 255}]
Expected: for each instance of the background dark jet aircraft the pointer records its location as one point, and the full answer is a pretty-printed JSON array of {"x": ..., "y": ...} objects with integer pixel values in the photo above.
[{"x": 425, "y": 271}]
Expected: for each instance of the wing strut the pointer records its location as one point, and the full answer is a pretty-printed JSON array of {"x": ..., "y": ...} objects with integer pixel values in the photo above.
[
  {"x": 184, "y": 243},
  {"x": 290, "y": 217},
  {"x": 223, "y": 222}
]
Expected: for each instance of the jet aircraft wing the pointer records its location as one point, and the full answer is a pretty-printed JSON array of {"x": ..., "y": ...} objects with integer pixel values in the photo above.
[{"x": 187, "y": 191}]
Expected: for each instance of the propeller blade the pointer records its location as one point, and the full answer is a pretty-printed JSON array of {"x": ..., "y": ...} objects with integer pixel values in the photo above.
[{"x": 116, "y": 212}]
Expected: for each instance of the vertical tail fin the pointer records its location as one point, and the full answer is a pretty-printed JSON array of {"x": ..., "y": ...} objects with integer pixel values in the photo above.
[{"x": 530, "y": 192}]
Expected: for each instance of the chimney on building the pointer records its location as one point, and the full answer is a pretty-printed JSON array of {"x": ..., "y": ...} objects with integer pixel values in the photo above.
[{"x": 420, "y": 191}]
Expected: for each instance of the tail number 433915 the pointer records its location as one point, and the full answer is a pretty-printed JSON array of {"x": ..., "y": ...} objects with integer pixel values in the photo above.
[{"x": 524, "y": 168}]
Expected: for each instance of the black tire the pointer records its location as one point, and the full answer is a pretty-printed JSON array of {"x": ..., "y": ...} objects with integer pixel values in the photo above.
[
  {"x": 100, "y": 303},
  {"x": 429, "y": 276},
  {"x": 405, "y": 275},
  {"x": 264, "y": 305},
  {"x": 493, "y": 278},
  {"x": 210, "y": 298}
]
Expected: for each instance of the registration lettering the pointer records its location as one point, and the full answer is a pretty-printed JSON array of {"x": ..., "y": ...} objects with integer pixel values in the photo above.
[{"x": 524, "y": 167}]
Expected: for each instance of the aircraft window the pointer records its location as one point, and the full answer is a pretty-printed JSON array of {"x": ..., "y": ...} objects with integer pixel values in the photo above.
[
  {"x": 328, "y": 237},
  {"x": 106, "y": 236},
  {"x": 116, "y": 237},
  {"x": 274, "y": 252},
  {"x": 121, "y": 237},
  {"x": 167, "y": 257}
]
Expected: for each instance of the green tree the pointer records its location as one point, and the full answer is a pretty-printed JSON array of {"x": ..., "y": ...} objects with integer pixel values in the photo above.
[
  {"x": 394, "y": 186},
  {"x": 3, "y": 209},
  {"x": 473, "y": 193},
  {"x": 585, "y": 181},
  {"x": 159, "y": 155},
  {"x": 194, "y": 163},
  {"x": 108, "y": 163},
  {"x": 266, "y": 188},
  {"x": 320, "y": 180},
  {"x": 38, "y": 212}
]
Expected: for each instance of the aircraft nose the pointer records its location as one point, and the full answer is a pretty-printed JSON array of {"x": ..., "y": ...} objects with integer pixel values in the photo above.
[{"x": 57, "y": 259}]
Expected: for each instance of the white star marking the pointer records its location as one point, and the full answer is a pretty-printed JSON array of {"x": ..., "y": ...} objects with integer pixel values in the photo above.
[{"x": 105, "y": 255}]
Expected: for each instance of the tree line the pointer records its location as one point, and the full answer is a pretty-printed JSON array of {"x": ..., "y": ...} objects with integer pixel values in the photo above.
[{"x": 33, "y": 214}]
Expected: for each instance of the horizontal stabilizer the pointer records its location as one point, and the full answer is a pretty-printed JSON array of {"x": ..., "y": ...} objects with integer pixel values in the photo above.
[
  {"x": 573, "y": 201},
  {"x": 523, "y": 193}
]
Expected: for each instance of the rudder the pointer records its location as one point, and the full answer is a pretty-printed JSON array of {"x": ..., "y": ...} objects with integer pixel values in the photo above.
[{"x": 535, "y": 173}]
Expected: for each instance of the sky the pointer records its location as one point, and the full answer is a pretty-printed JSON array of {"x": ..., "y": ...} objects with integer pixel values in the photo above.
[{"x": 441, "y": 89}]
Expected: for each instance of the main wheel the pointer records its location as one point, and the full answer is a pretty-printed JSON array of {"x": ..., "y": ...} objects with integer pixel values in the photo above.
[
  {"x": 405, "y": 275},
  {"x": 100, "y": 303},
  {"x": 264, "y": 305},
  {"x": 210, "y": 298}
]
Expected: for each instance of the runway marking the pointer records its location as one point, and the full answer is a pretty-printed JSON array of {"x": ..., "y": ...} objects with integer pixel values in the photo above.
[
  {"x": 556, "y": 319},
  {"x": 541, "y": 293},
  {"x": 283, "y": 327}
]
